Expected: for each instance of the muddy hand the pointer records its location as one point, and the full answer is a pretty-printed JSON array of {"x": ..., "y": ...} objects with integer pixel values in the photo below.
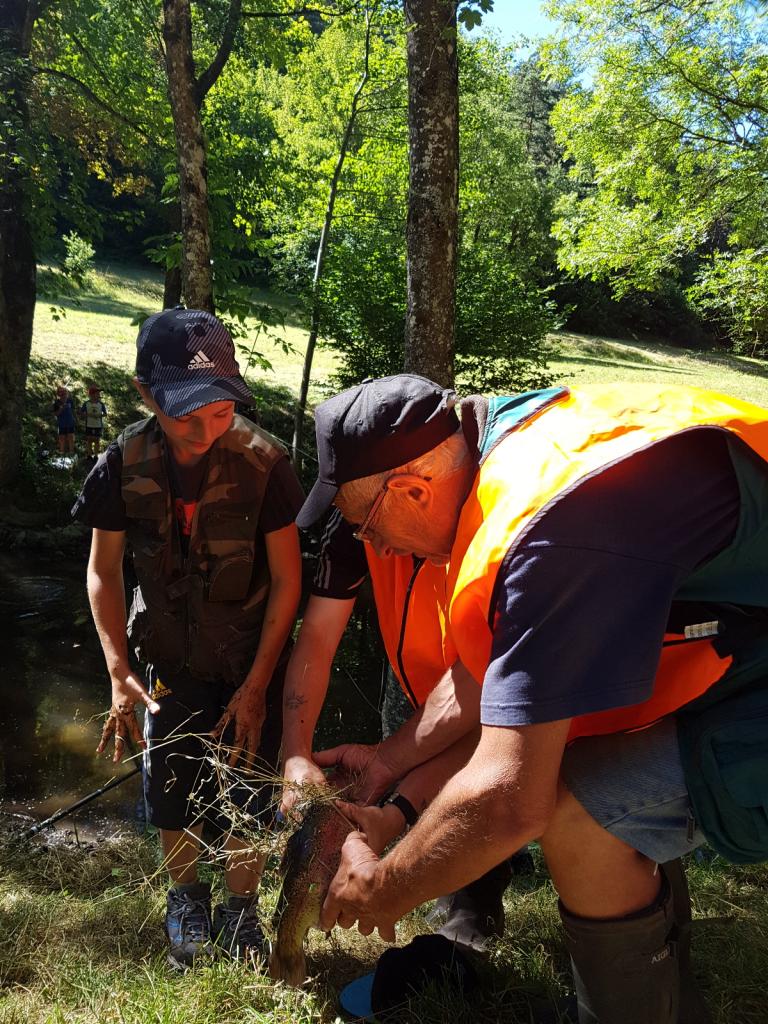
[
  {"x": 354, "y": 895},
  {"x": 247, "y": 709},
  {"x": 121, "y": 721}
]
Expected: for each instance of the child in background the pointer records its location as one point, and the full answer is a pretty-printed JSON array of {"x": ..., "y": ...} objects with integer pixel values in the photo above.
[
  {"x": 64, "y": 412},
  {"x": 93, "y": 412}
]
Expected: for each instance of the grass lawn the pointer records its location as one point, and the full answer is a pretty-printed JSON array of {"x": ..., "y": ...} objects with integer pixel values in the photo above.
[
  {"x": 584, "y": 359},
  {"x": 95, "y": 340},
  {"x": 82, "y": 943},
  {"x": 102, "y": 328},
  {"x": 81, "y": 937}
]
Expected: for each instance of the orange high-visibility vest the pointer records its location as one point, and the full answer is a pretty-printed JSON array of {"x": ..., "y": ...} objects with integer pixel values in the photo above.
[
  {"x": 543, "y": 459},
  {"x": 410, "y": 603}
]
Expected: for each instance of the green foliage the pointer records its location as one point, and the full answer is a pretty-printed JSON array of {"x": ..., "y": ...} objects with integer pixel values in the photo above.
[
  {"x": 470, "y": 13},
  {"x": 78, "y": 261},
  {"x": 732, "y": 290},
  {"x": 505, "y": 201},
  {"x": 666, "y": 134},
  {"x": 99, "y": 120}
]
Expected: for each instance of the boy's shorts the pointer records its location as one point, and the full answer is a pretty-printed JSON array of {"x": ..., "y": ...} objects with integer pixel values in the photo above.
[
  {"x": 94, "y": 431},
  {"x": 63, "y": 431},
  {"x": 183, "y": 784},
  {"x": 633, "y": 785}
]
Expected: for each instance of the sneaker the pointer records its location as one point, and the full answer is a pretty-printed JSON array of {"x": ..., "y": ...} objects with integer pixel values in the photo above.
[
  {"x": 237, "y": 930},
  {"x": 188, "y": 923}
]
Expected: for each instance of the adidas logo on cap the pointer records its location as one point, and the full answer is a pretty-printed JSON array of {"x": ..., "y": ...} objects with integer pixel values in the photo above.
[{"x": 200, "y": 361}]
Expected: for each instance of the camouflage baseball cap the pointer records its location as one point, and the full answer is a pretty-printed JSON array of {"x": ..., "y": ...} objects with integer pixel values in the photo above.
[{"x": 187, "y": 360}]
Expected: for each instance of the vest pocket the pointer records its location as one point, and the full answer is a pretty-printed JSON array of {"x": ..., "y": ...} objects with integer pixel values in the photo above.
[
  {"x": 234, "y": 524},
  {"x": 230, "y": 578}
]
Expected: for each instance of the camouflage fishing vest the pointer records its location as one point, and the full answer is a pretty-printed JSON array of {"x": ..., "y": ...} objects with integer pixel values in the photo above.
[{"x": 203, "y": 612}]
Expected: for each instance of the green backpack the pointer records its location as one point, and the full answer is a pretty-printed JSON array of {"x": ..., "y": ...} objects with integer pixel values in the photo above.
[
  {"x": 724, "y": 749},
  {"x": 724, "y": 733}
]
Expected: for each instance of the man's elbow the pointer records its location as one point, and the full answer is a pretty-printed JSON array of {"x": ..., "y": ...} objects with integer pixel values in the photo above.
[{"x": 520, "y": 818}]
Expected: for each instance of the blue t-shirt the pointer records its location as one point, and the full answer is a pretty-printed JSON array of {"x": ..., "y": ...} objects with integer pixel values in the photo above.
[
  {"x": 582, "y": 604},
  {"x": 65, "y": 413}
]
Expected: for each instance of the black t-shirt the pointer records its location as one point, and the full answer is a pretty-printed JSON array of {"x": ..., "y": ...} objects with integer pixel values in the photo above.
[
  {"x": 341, "y": 565},
  {"x": 100, "y": 503}
]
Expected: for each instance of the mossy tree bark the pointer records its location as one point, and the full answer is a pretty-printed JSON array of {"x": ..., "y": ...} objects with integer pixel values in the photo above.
[
  {"x": 433, "y": 194},
  {"x": 187, "y": 92}
]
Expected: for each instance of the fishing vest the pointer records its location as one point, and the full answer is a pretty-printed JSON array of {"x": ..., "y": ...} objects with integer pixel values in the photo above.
[
  {"x": 203, "y": 611},
  {"x": 537, "y": 448},
  {"x": 94, "y": 415},
  {"x": 410, "y": 604}
]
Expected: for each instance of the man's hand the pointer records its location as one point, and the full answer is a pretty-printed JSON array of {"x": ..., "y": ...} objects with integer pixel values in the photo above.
[
  {"x": 380, "y": 825},
  {"x": 355, "y": 894},
  {"x": 247, "y": 708},
  {"x": 299, "y": 772},
  {"x": 127, "y": 691},
  {"x": 365, "y": 765}
]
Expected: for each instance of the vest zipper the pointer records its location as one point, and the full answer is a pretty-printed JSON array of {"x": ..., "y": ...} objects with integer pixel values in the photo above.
[{"x": 417, "y": 564}]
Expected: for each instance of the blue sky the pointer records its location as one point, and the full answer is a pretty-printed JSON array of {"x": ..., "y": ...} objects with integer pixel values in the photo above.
[{"x": 512, "y": 18}]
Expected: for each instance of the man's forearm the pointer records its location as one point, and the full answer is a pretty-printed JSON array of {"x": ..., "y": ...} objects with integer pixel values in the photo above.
[
  {"x": 309, "y": 670},
  {"x": 306, "y": 686},
  {"x": 421, "y": 786},
  {"x": 501, "y": 800},
  {"x": 450, "y": 711}
]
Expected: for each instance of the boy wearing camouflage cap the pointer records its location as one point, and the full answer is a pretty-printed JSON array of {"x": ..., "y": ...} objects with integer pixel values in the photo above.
[{"x": 207, "y": 501}]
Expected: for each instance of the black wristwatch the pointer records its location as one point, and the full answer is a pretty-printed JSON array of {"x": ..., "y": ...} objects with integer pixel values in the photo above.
[{"x": 404, "y": 805}]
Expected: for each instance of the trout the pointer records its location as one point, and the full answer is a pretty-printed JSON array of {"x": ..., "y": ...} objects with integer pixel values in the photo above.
[{"x": 310, "y": 861}]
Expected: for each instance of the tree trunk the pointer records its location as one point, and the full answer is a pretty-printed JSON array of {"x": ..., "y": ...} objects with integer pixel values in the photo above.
[
  {"x": 18, "y": 271},
  {"x": 172, "y": 288},
  {"x": 433, "y": 192},
  {"x": 196, "y": 275}
]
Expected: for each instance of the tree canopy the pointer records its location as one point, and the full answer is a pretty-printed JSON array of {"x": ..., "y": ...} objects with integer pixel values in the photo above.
[{"x": 664, "y": 123}]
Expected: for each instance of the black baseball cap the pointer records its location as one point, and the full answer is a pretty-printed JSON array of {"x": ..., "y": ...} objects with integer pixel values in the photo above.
[
  {"x": 403, "y": 973},
  {"x": 187, "y": 360},
  {"x": 379, "y": 425}
]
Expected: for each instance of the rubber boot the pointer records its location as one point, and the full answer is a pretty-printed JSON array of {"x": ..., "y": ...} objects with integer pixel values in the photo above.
[
  {"x": 475, "y": 914},
  {"x": 626, "y": 970},
  {"x": 693, "y": 1009}
]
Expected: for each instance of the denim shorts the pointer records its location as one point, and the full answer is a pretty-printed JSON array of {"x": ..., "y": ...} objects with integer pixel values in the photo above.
[{"x": 633, "y": 785}]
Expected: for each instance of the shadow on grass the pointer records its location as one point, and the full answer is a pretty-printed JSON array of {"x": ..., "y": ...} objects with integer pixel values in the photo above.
[
  {"x": 43, "y": 486},
  {"x": 592, "y": 349},
  {"x": 651, "y": 367},
  {"x": 743, "y": 364},
  {"x": 104, "y": 305}
]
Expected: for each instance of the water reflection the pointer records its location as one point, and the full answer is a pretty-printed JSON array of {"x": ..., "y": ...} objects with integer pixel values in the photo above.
[
  {"x": 55, "y": 687},
  {"x": 55, "y": 691}
]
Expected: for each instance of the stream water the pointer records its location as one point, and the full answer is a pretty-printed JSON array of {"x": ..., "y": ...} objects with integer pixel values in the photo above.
[{"x": 55, "y": 690}]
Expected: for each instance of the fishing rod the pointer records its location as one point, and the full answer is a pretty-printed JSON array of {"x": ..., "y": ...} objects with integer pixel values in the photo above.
[{"x": 79, "y": 803}]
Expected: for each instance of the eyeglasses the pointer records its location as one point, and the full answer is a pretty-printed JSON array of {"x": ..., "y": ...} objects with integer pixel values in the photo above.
[{"x": 362, "y": 530}]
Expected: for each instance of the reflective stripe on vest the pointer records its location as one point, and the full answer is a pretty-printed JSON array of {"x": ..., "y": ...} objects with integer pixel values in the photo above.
[
  {"x": 543, "y": 459},
  {"x": 410, "y": 603}
]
